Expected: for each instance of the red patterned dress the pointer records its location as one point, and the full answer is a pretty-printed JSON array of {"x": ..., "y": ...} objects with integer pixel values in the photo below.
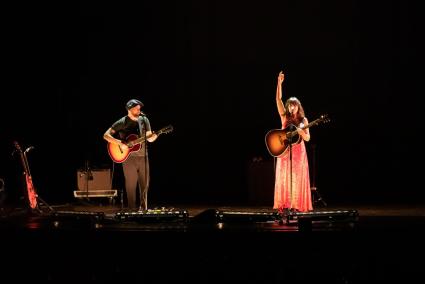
[{"x": 300, "y": 197}]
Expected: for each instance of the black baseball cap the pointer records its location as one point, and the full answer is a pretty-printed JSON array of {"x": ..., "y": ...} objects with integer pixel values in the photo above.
[{"x": 132, "y": 103}]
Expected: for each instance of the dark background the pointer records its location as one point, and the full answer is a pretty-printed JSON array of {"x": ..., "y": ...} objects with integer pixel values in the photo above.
[{"x": 209, "y": 68}]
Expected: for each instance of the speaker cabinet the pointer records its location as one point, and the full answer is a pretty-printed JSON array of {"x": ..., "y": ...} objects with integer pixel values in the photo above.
[
  {"x": 93, "y": 180},
  {"x": 261, "y": 182}
]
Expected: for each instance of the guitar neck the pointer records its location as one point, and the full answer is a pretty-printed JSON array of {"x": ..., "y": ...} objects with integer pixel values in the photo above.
[
  {"x": 139, "y": 140},
  {"x": 25, "y": 164},
  {"x": 314, "y": 122},
  {"x": 142, "y": 139}
]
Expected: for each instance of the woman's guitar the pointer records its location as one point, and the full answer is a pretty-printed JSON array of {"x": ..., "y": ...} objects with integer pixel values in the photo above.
[
  {"x": 278, "y": 140},
  {"x": 119, "y": 155},
  {"x": 32, "y": 195}
]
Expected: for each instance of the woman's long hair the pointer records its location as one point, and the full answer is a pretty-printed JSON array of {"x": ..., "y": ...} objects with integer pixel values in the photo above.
[{"x": 300, "y": 114}]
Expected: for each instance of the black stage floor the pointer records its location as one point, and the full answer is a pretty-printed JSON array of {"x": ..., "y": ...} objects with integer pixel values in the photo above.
[{"x": 345, "y": 243}]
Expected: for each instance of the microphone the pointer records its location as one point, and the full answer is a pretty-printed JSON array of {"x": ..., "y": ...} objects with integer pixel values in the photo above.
[{"x": 289, "y": 110}]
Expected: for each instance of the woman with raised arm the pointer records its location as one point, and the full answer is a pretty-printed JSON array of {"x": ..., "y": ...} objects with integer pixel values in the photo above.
[{"x": 292, "y": 181}]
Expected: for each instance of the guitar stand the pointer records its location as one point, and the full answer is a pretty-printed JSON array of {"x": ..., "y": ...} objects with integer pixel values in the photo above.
[
  {"x": 41, "y": 203},
  {"x": 39, "y": 208},
  {"x": 317, "y": 198}
]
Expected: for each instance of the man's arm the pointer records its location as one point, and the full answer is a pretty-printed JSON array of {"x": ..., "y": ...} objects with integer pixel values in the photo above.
[{"x": 108, "y": 137}]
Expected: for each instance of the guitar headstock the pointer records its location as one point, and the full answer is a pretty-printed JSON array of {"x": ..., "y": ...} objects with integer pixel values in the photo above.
[
  {"x": 166, "y": 129},
  {"x": 324, "y": 118}
]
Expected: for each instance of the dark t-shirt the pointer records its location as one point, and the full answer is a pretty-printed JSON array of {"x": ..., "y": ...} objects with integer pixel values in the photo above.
[{"x": 125, "y": 126}]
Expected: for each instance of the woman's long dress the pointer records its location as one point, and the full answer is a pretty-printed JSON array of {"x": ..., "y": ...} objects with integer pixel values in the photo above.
[{"x": 299, "y": 196}]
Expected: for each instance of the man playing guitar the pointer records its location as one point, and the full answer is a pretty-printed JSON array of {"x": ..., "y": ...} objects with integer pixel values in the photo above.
[{"x": 135, "y": 159}]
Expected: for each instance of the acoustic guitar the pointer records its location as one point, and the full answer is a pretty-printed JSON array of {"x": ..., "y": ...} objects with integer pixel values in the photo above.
[
  {"x": 278, "y": 140},
  {"x": 133, "y": 142}
]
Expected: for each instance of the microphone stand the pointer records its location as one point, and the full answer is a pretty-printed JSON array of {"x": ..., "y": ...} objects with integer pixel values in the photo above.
[
  {"x": 89, "y": 176},
  {"x": 288, "y": 211},
  {"x": 291, "y": 128},
  {"x": 316, "y": 195},
  {"x": 141, "y": 197},
  {"x": 290, "y": 139}
]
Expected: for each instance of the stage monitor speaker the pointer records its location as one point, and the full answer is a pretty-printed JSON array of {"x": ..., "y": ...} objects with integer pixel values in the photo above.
[
  {"x": 77, "y": 219},
  {"x": 79, "y": 215},
  {"x": 328, "y": 215},
  {"x": 324, "y": 220},
  {"x": 214, "y": 216},
  {"x": 247, "y": 216},
  {"x": 154, "y": 216},
  {"x": 99, "y": 179}
]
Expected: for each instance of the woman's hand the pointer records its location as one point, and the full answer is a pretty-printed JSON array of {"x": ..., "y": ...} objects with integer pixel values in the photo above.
[
  {"x": 305, "y": 135},
  {"x": 281, "y": 77}
]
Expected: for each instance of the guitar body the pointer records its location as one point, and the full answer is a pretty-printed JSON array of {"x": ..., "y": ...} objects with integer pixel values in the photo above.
[
  {"x": 32, "y": 196},
  {"x": 277, "y": 142},
  {"x": 118, "y": 154},
  {"x": 134, "y": 143}
]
